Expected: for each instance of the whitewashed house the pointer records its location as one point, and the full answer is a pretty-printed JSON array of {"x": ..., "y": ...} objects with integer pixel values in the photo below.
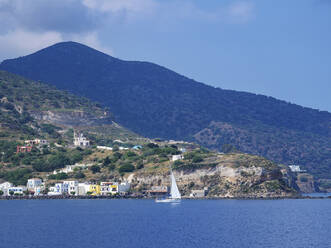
[
  {"x": 19, "y": 190},
  {"x": 182, "y": 149},
  {"x": 83, "y": 188},
  {"x": 198, "y": 193},
  {"x": 70, "y": 168},
  {"x": 70, "y": 187},
  {"x": 33, "y": 183},
  {"x": 108, "y": 188},
  {"x": 58, "y": 189},
  {"x": 55, "y": 190},
  {"x": 4, "y": 187},
  {"x": 80, "y": 140},
  {"x": 38, "y": 142},
  {"x": 124, "y": 187},
  {"x": 295, "y": 168},
  {"x": 177, "y": 157},
  {"x": 105, "y": 148}
]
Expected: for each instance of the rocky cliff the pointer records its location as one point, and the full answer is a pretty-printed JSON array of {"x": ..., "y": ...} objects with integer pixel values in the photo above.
[{"x": 229, "y": 175}]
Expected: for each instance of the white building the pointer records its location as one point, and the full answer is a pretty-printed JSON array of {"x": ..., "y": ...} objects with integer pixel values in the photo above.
[
  {"x": 19, "y": 190},
  {"x": 34, "y": 183},
  {"x": 70, "y": 187},
  {"x": 123, "y": 148},
  {"x": 80, "y": 140},
  {"x": 55, "y": 190},
  {"x": 4, "y": 187},
  {"x": 295, "y": 168},
  {"x": 70, "y": 168},
  {"x": 198, "y": 193},
  {"x": 177, "y": 157},
  {"x": 182, "y": 149},
  {"x": 105, "y": 148},
  {"x": 108, "y": 188},
  {"x": 36, "y": 142},
  {"x": 124, "y": 187},
  {"x": 83, "y": 188},
  {"x": 58, "y": 189}
]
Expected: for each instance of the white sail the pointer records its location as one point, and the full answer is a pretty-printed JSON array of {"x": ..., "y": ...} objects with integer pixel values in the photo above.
[{"x": 174, "y": 192}]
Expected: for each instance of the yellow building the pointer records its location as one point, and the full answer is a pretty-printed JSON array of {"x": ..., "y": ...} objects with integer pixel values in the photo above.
[{"x": 95, "y": 189}]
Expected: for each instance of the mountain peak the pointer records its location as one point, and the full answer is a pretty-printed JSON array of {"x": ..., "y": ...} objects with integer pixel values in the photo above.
[{"x": 156, "y": 102}]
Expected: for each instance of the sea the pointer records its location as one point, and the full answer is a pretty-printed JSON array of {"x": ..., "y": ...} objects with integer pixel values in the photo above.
[{"x": 292, "y": 223}]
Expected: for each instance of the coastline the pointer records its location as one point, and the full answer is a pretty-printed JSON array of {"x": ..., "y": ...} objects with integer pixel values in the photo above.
[{"x": 68, "y": 197}]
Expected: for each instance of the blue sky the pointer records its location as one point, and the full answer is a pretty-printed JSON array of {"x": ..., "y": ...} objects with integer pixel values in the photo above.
[{"x": 277, "y": 48}]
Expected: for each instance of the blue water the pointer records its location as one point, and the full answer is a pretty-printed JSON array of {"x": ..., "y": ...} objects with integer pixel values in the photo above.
[{"x": 143, "y": 223}]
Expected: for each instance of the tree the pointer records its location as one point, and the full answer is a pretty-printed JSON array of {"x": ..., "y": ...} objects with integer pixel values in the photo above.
[
  {"x": 11, "y": 192},
  {"x": 58, "y": 176},
  {"x": 152, "y": 145},
  {"x": 116, "y": 157},
  {"x": 106, "y": 161},
  {"x": 95, "y": 169},
  {"x": 130, "y": 154},
  {"x": 197, "y": 159},
  {"x": 79, "y": 175},
  {"x": 111, "y": 167},
  {"x": 140, "y": 165},
  {"x": 1, "y": 192},
  {"x": 127, "y": 167},
  {"x": 116, "y": 148}
]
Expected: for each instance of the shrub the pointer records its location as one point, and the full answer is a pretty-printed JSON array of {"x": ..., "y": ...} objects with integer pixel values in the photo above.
[
  {"x": 79, "y": 175},
  {"x": 58, "y": 176},
  {"x": 130, "y": 154},
  {"x": 106, "y": 161},
  {"x": 197, "y": 159},
  {"x": 116, "y": 157},
  {"x": 128, "y": 167},
  {"x": 95, "y": 169},
  {"x": 178, "y": 163},
  {"x": 140, "y": 165},
  {"x": 111, "y": 167}
]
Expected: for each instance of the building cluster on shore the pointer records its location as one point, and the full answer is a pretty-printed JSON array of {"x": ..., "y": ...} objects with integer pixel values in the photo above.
[
  {"x": 36, "y": 187},
  {"x": 82, "y": 189}
]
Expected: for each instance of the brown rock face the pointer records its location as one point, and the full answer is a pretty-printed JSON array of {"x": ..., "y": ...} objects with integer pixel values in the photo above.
[{"x": 221, "y": 180}]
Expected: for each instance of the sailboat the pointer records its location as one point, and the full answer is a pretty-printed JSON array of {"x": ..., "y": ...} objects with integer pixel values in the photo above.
[{"x": 174, "y": 192}]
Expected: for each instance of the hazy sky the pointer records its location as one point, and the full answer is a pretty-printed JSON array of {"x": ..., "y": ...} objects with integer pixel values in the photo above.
[{"x": 278, "y": 48}]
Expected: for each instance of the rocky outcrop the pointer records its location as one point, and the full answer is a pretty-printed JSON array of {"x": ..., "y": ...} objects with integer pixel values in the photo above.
[
  {"x": 73, "y": 118},
  {"x": 220, "y": 181}
]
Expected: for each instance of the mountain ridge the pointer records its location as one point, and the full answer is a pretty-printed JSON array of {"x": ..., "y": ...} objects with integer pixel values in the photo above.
[{"x": 156, "y": 102}]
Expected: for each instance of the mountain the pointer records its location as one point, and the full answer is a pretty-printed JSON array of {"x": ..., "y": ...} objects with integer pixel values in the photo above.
[
  {"x": 156, "y": 102},
  {"x": 30, "y": 110}
]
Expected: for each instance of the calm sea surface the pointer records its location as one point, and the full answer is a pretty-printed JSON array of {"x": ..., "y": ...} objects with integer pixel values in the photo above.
[{"x": 143, "y": 223}]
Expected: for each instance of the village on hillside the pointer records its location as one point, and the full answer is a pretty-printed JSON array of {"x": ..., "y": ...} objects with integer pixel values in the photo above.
[{"x": 40, "y": 187}]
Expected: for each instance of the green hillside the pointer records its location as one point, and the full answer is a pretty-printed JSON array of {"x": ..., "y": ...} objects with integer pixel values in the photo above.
[{"x": 156, "y": 102}]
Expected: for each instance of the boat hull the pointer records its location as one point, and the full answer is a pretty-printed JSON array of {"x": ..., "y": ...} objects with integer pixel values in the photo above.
[{"x": 167, "y": 200}]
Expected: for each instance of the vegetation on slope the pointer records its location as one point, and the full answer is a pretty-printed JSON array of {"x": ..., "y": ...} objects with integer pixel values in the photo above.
[{"x": 156, "y": 102}]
